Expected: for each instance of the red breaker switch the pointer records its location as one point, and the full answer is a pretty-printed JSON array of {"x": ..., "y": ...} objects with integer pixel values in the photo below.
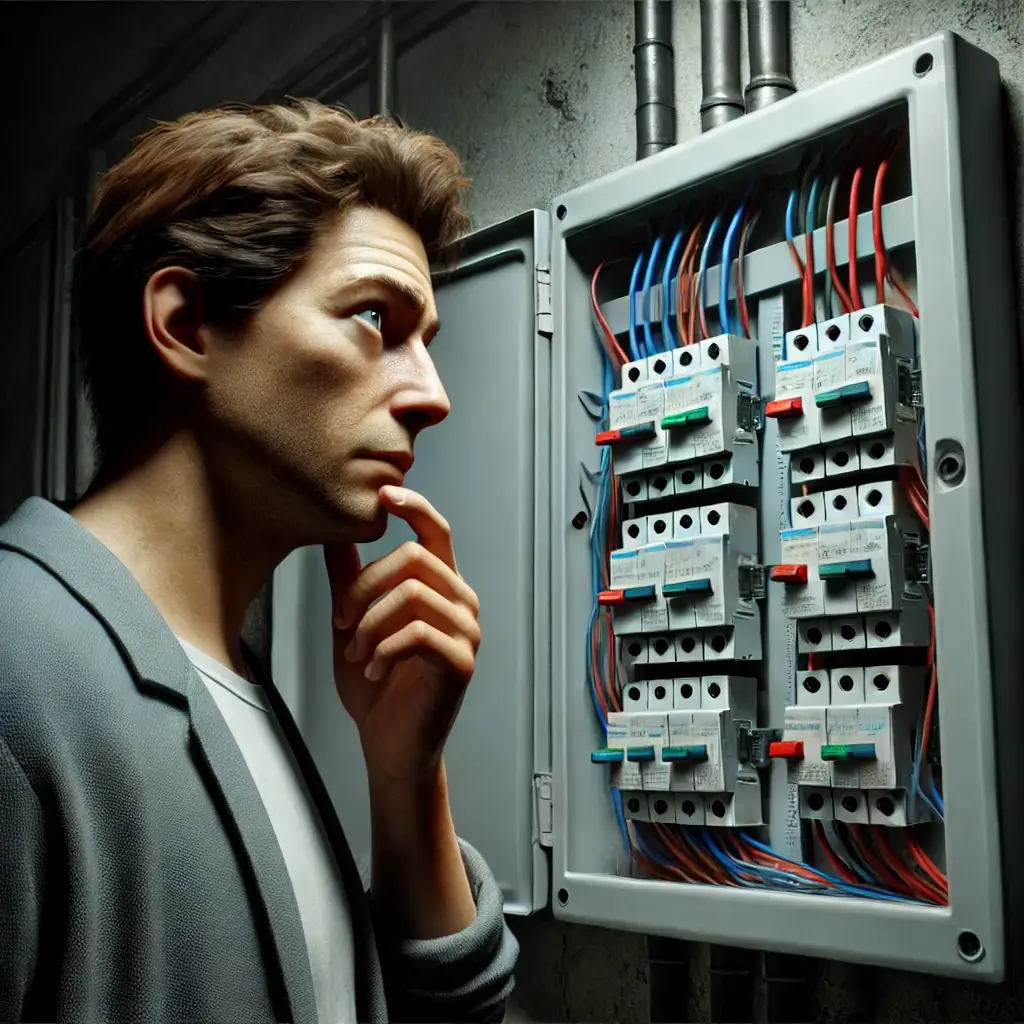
[
  {"x": 783, "y": 407},
  {"x": 790, "y": 749},
  {"x": 789, "y": 574}
]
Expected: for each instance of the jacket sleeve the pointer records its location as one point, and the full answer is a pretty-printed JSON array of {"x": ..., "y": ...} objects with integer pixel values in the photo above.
[
  {"x": 462, "y": 977},
  {"x": 22, "y": 854}
]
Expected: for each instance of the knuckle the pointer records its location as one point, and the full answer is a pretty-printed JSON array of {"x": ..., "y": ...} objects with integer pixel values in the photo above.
[
  {"x": 413, "y": 590},
  {"x": 420, "y": 632}
]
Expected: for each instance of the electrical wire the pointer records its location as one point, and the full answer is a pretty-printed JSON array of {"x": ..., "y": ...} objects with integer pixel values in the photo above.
[
  {"x": 749, "y": 223},
  {"x": 684, "y": 286},
  {"x": 809, "y": 224},
  {"x": 807, "y": 317},
  {"x": 634, "y": 281},
  {"x": 882, "y": 269},
  {"x": 652, "y": 264},
  {"x": 725, "y": 273},
  {"x": 856, "y": 302},
  {"x": 668, "y": 338},
  {"x": 830, "y": 247},
  {"x": 702, "y": 273}
]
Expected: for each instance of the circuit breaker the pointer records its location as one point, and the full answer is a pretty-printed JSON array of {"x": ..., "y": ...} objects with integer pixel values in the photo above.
[{"x": 746, "y": 533}]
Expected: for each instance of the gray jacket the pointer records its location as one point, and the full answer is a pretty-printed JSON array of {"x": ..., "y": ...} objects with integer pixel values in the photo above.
[{"x": 140, "y": 879}]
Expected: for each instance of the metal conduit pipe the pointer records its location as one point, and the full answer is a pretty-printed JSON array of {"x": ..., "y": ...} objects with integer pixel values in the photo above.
[
  {"x": 653, "y": 61},
  {"x": 384, "y": 80},
  {"x": 771, "y": 77},
  {"x": 720, "y": 63}
]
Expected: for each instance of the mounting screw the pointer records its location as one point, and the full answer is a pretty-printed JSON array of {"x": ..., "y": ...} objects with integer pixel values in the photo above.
[{"x": 579, "y": 520}]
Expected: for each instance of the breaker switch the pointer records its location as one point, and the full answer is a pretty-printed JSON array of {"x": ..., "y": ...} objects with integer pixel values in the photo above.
[
  {"x": 617, "y": 597},
  {"x": 856, "y": 392},
  {"x": 789, "y": 574},
  {"x": 642, "y": 754},
  {"x": 783, "y": 408},
  {"x": 848, "y": 752},
  {"x": 790, "y": 749},
  {"x": 698, "y": 752},
  {"x": 858, "y": 567},
  {"x": 688, "y": 418},
  {"x": 696, "y": 587},
  {"x": 608, "y": 755},
  {"x": 639, "y": 432}
]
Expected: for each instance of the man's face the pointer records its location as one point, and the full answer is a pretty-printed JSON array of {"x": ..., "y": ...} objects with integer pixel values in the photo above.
[{"x": 319, "y": 399}]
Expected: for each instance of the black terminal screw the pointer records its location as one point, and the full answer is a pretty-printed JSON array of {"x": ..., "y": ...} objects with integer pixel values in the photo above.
[{"x": 579, "y": 520}]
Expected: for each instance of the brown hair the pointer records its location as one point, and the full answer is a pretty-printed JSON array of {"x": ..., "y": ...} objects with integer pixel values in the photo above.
[{"x": 236, "y": 194}]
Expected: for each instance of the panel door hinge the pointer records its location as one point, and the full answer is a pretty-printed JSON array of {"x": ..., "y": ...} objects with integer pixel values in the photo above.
[
  {"x": 753, "y": 582},
  {"x": 749, "y": 412},
  {"x": 545, "y": 317},
  {"x": 545, "y": 813}
]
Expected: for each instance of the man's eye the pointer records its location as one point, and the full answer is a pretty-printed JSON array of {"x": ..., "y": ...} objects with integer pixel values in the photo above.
[{"x": 374, "y": 316}]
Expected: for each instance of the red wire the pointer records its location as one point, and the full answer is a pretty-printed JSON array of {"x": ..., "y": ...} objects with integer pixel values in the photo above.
[
  {"x": 611, "y": 343},
  {"x": 741, "y": 297},
  {"x": 856, "y": 301},
  {"x": 876, "y": 230},
  {"x": 837, "y": 865},
  {"x": 830, "y": 254},
  {"x": 809, "y": 279}
]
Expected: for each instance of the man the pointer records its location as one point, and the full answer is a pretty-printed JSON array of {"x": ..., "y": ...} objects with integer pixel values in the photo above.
[{"x": 255, "y": 308}]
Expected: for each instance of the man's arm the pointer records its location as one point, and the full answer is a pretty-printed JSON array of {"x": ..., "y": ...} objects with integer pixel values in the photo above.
[{"x": 22, "y": 853}]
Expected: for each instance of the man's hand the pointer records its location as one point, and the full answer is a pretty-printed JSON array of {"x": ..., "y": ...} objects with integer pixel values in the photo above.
[{"x": 405, "y": 642}]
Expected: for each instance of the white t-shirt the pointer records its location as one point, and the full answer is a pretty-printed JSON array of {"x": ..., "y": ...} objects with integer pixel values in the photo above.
[{"x": 319, "y": 891}]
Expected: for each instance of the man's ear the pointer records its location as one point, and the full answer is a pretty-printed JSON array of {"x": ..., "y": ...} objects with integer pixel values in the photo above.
[{"x": 172, "y": 311}]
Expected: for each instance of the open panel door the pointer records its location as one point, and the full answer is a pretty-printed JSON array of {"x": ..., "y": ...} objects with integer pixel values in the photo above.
[{"x": 486, "y": 469}]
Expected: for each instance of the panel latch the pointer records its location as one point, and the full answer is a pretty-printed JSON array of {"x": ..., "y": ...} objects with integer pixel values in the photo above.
[{"x": 545, "y": 813}]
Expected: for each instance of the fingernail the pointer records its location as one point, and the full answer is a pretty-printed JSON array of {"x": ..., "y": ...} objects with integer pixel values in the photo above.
[
  {"x": 354, "y": 651},
  {"x": 374, "y": 671}
]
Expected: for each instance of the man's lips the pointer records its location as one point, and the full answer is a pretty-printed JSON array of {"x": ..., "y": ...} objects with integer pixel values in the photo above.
[{"x": 402, "y": 461}]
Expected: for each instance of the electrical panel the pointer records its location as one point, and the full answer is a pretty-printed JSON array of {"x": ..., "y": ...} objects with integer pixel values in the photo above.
[{"x": 773, "y": 423}]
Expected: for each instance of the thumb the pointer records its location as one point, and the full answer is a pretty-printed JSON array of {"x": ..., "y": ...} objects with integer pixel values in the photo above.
[{"x": 343, "y": 566}]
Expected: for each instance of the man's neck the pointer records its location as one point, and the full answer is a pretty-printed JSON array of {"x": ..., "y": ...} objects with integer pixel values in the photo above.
[{"x": 200, "y": 561}]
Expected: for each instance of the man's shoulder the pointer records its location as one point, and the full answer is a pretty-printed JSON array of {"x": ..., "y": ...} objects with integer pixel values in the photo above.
[{"x": 50, "y": 641}]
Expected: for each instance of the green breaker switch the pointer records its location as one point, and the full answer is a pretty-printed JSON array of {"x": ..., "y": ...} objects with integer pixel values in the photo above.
[
  {"x": 688, "y": 418},
  {"x": 848, "y": 752},
  {"x": 858, "y": 567},
  {"x": 695, "y": 753},
  {"x": 857, "y": 392}
]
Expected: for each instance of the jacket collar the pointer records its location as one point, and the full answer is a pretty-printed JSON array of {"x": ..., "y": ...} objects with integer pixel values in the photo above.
[{"x": 41, "y": 531}]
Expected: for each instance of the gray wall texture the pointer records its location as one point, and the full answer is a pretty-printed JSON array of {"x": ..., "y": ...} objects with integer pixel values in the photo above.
[{"x": 537, "y": 97}]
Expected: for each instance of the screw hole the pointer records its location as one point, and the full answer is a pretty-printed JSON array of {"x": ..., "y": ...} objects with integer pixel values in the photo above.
[
  {"x": 832, "y": 332},
  {"x": 579, "y": 520},
  {"x": 660, "y": 483},
  {"x": 659, "y": 525},
  {"x": 714, "y": 351},
  {"x": 688, "y": 476},
  {"x": 805, "y": 509},
  {"x": 688, "y": 645},
  {"x": 686, "y": 691},
  {"x": 633, "y": 530},
  {"x": 815, "y": 801},
  {"x": 877, "y": 450},
  {"x": 846, "y": 683},
  {"x": 814, "y": 636},
  {"x": 633, "y": 805},
  {"x": 800, "y": 342},
  {"x": 807, "y": 466},
  {"x": 718, "y": 809},
  {"x": 866, "y": 322},
  {"x": 839, "y": 502},
  {"x": 660, "y": 646},
  {"x": 923, "y": 64},
  {"x": 634, "y": 693},
  {"x": 635, "y": 649},
  {"x": 714, "y": 517},
  {"x": 950, "y": 468},
  {"x": 841, "y": 457},
  {"x": 812, "y": 684},
  {"x": 881, "y": 681},
  {"x": 659, "y": 693},
  {"x": 560, "y": 214},
  {"x": 686, "y": 521},
  {"x": 718, "y": 643},
  {"x": 848, "y": 633},
  {"x": 634, "y": 373},
  {"x": 689, "y": 808},
  {"x": 714, "y": 691},
  {"x": 885, "y": 805},
  {"x": 850, "y": 803},
  {"x": 969, "y": 946},
  {"x": 659, "y": 366},
  {"x": 883, "y": 630},
  {"x": 660, "y": 806},
  {"x": 685, "y": 358},
  {"x": 716, "y": 471},
  {"x": 633, "y": 488},
  {"x": 874, "y": 496}
]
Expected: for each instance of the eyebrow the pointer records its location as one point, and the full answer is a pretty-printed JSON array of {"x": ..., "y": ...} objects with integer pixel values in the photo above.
[{"x": 409, "y": 294}]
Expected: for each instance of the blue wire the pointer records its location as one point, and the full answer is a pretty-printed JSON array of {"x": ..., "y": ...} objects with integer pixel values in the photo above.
[
  {"x": 712, "y": 231},
  {"x": 939, "y": 802},
  {"x": 726, "y": 270},
  {"x": 790, "y": 212},
  {"x": 634, "y": 280},
  {"x": 668, "y": 336},
  {"x": 648, "y": 281}
]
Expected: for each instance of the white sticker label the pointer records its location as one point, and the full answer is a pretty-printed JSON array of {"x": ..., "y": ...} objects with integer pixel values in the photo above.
[
  {"x": 650, "y": 401},
  {"x": 830, "y": 370},
  {"x": 800, "y": 547},
  {"x": 794, "y": 377},
  {"x": 833, "y": 542},
  {"x": 678, "y": 394},
  {"x": 625, "y": 565},
  {"x": 622, "y": 409},
  {"x": 862, "y": 359}
]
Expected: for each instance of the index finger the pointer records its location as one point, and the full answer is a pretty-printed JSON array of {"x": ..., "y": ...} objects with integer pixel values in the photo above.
[{"x": 431, "y": 528}]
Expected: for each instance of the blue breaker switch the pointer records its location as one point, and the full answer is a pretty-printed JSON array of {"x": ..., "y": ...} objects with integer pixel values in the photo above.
[
  {"x": 608, "y": 755},
  {"x": 640, "y": 754},
  {"x": 859, "y": 391},
  {"x": 848, "y": 752},
  {"x": 857, "y": 567},
  {"x": 695, "y": 586},
  {"x": 698, "y": 752}
]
